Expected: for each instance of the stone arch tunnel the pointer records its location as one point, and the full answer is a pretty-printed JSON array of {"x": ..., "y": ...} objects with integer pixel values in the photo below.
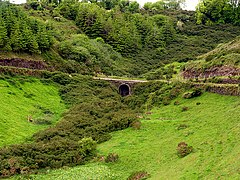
[{"x": 125, "y": 87}]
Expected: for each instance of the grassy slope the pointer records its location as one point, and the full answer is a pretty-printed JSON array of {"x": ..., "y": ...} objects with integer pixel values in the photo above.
[
  {"x": 213, "y": 131},
  {"x": 21, "y": 99},
  {"x": 223, "y": 54}
]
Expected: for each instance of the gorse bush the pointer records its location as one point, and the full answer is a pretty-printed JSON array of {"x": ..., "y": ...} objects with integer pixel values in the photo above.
[
  {"x": 96, "y": 110},
  {"x": 151, "y": 94},
  {"x": 54, "y": 154},
  {"x": 194, "y": 93},
  {"x": 112, "y": 157}
]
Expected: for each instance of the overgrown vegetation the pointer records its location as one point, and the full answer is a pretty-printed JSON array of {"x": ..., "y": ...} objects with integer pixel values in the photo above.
[
  {"x": 218, "y": 11},
  {"x": 127, "y": 40},
  {"x": 20, "y": 33},
  {"x": 117, "y": 38},
  {"x": 211, "y": 128},
  {"x": 220, "y": 63},
  {"x": 96, "y": 110}
]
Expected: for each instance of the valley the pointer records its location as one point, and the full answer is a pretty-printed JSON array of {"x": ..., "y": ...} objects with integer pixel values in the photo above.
[{"x": 111, "y": 90}]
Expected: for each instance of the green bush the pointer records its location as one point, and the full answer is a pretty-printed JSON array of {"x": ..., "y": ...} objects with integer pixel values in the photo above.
[
  {"x": 96, "y": 110},
  {"x": 112, "y": 157},
  {"x": 192, "y": 94}
]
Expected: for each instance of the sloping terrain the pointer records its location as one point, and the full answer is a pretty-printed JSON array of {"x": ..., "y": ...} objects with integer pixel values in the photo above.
[
  {"x": 223, "y": 61},
  {"x": 210, "y": 126},
  {"x": 63, "y": 44},
  {"x": 27, "y": 106}
]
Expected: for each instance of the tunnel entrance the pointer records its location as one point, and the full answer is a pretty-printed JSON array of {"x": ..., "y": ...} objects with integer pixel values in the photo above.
[{"x": 124, "y": 90}]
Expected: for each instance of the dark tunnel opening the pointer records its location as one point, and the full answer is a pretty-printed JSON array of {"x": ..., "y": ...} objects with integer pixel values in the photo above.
[{"x": 124, "y": 90}]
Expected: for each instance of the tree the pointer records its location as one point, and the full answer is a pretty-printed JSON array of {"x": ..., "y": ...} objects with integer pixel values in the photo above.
[
  {"x": 29, "y": 43},
  {"x": 3, "y": 33},
  {"x": 43, "y": 38},
  {"x": 16, "y": 38},
  {"x": 133, "y": 7},
  {"x": 164, "y": 4},
  {"x": 218, "y": 11},
  {"x": 90, "y": 19}
]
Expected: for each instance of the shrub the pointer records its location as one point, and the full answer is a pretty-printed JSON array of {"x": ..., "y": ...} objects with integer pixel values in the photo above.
[
  {"x": 87, "y": 146},
  {"x": 139, "y": 175},
  {"x": 136, "y": 125},
  {"x": 192, "y": 94},
  {"x": 185, "y": 108},
  {"x": 42, "y": 120},
  {"x": 96, "y": 111},
  {"x": 183, "y": 149},
  {"x": 112, "y": 157},
  {"x": 176, "y": 103}
]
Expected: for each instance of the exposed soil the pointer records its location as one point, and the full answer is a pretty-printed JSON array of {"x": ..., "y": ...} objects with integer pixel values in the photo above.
[
  {"x": 22, "y": 63},
  {"x": 211, "y": 72}
]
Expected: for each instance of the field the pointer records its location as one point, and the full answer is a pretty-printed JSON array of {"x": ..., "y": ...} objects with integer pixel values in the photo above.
[
  {"x": 27, "y": 105},
  {"x": 210, "y": 124}
]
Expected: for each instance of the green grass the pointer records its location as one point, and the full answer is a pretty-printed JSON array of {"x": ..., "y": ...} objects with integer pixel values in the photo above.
[
  {"x": 213, "y": 129},
  {"x": 93, "y": 171},
  {"x": 22, "y": 98}
]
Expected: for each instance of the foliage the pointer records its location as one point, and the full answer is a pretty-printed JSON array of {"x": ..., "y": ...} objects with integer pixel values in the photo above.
[
  {"x": 97, "y": 56},
  {"x": 194, "y": 93},
  {"x": 218, "y": 11},
  {"x": 163, "y": 5},
  {"x": 96, "y": 110},
  {"x": 146, "y": 39},
  {"x": 148, "y": 95},
  {"x": 112, "y": 157},
  {"x": 19, "y": 33}
]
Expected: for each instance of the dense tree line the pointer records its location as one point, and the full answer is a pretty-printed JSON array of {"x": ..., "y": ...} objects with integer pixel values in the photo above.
[
  {"x": 20, "y": 33},
  {"x": 128, "y": 33}
]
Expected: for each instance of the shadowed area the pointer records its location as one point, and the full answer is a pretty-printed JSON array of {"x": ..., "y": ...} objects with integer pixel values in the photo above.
[{"x": 124, "y": 90}]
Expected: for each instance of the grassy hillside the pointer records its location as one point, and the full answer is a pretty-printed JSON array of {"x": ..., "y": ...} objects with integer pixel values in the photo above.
[
  {"x": 227, "y": 53},
  {"x": 23, "y": 100},
  {"x": 212, "y": 128},
  {"x": 221, "y": 65}
]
